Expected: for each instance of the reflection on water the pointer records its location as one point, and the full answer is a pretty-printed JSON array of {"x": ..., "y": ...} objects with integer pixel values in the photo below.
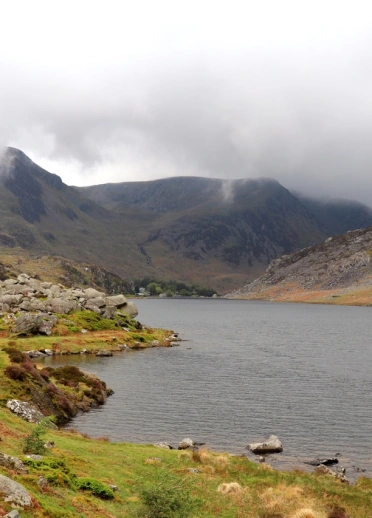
[{"x": 247, "y": 370}]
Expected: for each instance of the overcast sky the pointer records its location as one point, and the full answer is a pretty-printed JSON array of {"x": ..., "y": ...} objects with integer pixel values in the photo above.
[{"x": 118, "y": 91}]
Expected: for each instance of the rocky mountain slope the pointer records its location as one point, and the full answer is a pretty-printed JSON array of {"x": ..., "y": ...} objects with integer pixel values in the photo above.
[
  {"x": 215, "y": 233},
  {"x": 336, "y": 271}
]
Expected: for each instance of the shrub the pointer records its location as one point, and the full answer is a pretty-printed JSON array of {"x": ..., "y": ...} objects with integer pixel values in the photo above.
[
  {"x": 95, "y": 487},
  {"x": 68, "y": 373},
  {"x": 166, "y": 497},
  {"x": 14, "y": 372},
  {"x": 34, "y": 443},
  {"x": 15, "y": 355}
]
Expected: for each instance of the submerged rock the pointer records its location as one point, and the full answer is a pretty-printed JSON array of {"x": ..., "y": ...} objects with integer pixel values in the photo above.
[{"x": 270, "y": 445}]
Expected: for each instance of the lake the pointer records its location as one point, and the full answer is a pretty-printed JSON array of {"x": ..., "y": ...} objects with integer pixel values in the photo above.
[{"x": 245, "y": 370}]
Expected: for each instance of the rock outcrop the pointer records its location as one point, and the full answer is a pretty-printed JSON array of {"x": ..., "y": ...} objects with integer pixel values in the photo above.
[
  {"x": 25, "y": 410},
  {"x": 37, "y": 301}
]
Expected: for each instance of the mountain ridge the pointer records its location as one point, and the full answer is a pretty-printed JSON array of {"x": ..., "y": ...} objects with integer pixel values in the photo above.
[{"x": 217, "y": 233}]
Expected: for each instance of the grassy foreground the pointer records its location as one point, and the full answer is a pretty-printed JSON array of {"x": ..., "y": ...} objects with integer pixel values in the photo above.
[{"x": 153, "y": 482}]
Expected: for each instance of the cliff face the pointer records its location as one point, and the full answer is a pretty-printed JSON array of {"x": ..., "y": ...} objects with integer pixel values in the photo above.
[{"x": 338, "y": 270}]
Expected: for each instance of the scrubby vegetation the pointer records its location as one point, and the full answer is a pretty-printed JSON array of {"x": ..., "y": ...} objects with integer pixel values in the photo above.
[{"x": 171, "y": 288}]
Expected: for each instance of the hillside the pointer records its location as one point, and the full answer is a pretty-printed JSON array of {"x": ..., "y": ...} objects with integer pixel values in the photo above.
[
  {"x": 216, "y": 233},
  {"x": 338, "y": 271}
]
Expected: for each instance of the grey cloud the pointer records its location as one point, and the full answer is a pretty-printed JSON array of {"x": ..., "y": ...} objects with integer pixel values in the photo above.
[{"x": 304, "y": 119}]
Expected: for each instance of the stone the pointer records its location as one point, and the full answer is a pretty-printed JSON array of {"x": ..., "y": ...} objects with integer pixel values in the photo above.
[
  {"x": 14, "y": 493},
  {"x": 12, "y": 463},
  {"x": 42, "y": 483},
  {"x": 97, "y": 301},
  {"x": 27, "y": 411},
  {"x": 116, "y": 300},
  {"x": 104, "y": 353},
  {"x": 270, "y": 445},
  {"x": 27, "y": 323},
  {"x": 185, "y": 444},
  {"x": 129, "y": 309},
  {"x": 90, "y": 293},
  {"x": 92, "y": 307},
  {"x": 164, "y": 445},
  {"x": 113, "y": 487},
  {"x": 13, "y": 514},
  {"x": 108, "y": 312},
  {"x": 60, "y": 305},
  {"x": 326, "y": 462},
  {"x": 324, "y": 470}
]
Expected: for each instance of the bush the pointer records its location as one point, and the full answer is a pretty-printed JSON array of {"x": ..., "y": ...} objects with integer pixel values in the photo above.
[
  {"x": 95, "y": 487},
  {"x": 14, "y": 372},
  {"x": 34, "y": 443},
  {"x": 166, "y": 497},
  {"x": 15, "y": 355}
]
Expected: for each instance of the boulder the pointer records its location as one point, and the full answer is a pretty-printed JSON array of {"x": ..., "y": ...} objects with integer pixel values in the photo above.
[
  {"x": 108, "y": 312},
  {"x": 27, "y": 411},
  {"x": 92, "y": 307},
  {"x": 27, "y": 323},
  {"x": 13, "y": 514},
  {"x": 270, "y": 445},
  {"x": 60, "y": 305},
  {"x": 13, "y": 463},
  {"x": 164, "y": 445},
  {"x": 116, "y": 300},
  {"x": 97, "y": 301},
  {"x": 185, "y": 444},
  {"x": 90, "y": 293},
  {"x": 130, "y": 309},
  {"x": 104, "y": 353},
  {"x": 14, "y": 493}
]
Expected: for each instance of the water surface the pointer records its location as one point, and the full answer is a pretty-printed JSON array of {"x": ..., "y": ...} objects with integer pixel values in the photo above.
[{"x": 246, "y": 370}]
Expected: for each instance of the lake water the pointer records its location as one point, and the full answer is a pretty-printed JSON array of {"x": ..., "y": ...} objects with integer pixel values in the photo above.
[{"x": 246, "y": 370}]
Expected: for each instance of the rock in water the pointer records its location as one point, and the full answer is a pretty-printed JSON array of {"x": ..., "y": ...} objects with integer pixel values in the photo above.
[{"x": 270, "y": 445}]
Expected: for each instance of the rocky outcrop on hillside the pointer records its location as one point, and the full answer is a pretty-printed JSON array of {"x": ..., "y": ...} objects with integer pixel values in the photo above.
[
  {"x": 38, "y": 302},
  {"x": 342, "y": 262}
]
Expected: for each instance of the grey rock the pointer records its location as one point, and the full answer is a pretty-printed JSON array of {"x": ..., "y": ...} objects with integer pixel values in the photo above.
[
  {"x": 108, "y": 312},
  {"x": 116, "y": 300},
  {"x": 14, "y": 493},
  {"x": 12, "y": 463},
  {"x": 185, "y": 444},
  {"x": 324, "y": 470},
  {"x": 35, "y": 457},
  {"x": 129, "y": 309},
  {"x": 60, "y": 305},
  {"x": 42, "y": 483},
  {"x": 27, "y": 323},
  {"x": 97, "y": 301},
  {"x": 13, "y": 514},
  {"x": 270, "y": 445},
  {"x": 10, "y": 282},
  {"x": 27, "y": 411},
  {"x": 90, "y": 293},
  {"x": 113, "y": 487},
  {"x": 164, "y": 445},
  {"x": 93, "y": 307}
]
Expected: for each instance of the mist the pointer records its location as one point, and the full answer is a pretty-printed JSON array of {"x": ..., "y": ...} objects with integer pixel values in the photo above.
[{"x": 225, "y": 92}]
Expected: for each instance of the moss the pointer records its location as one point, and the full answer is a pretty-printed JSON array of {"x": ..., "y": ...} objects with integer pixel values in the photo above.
[{"x": 93, "y": 322}]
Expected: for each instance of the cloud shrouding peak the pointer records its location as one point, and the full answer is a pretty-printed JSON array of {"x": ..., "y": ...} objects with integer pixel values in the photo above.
[{"x": 120, "y": 92}]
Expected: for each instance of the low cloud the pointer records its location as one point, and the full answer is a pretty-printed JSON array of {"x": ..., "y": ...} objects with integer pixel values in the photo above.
[{"x": 297, "y": 110}]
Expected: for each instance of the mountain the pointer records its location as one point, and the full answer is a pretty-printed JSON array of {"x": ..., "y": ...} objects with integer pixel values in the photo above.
[
  {"x": 216, "y": 233},
  {"x": 39, "y": 212},
  {"x": 336, "y": 271},
  {"x": 229, "y": 229},
  {"x": 337, "y": 216}
]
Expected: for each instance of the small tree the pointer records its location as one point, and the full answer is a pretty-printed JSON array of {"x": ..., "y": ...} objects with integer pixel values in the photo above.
[{"x": 34, "y": 443}]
